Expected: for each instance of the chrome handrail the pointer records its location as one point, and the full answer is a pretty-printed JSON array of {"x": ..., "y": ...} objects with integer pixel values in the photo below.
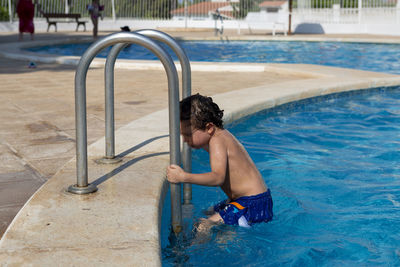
[
  {"x": 186, "y": 91},
  {"x": 82, "y": 186},
  {"x": 109, "y": 100}
]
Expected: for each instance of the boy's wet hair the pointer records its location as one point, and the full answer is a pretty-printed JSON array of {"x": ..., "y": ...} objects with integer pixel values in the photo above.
[{"x": 201, "y": 110}]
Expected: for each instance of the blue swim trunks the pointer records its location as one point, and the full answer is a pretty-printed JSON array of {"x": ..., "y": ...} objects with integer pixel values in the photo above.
[{"x": 245, "y": 211}]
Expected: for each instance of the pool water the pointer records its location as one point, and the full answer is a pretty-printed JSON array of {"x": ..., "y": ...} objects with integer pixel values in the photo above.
[
  {"x": 363, "y": 56},
  {"x": 332, "y": 164}
]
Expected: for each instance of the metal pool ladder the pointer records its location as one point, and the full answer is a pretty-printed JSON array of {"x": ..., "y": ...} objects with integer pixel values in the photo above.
[{"x": 120, "y": 40}]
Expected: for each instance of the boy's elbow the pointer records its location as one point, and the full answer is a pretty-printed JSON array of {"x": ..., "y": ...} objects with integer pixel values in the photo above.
[
  {"x": 219, "y": 183},
  {"x": 219, "y": 179}
]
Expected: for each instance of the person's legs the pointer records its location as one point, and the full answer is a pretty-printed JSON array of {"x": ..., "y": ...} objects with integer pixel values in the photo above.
[
  {"x": 95, "y": 23},
  {"x": 206, "y": 224},
  {"x": 95, "y": 29},
  {"x": 21, "y": 30},
  {"x": 216, "y": 218}
]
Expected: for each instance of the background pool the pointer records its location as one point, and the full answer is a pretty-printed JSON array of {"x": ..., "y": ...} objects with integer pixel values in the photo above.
[
  {"x": 364, "y": 56},
  {"x": 332, "y": 164}
]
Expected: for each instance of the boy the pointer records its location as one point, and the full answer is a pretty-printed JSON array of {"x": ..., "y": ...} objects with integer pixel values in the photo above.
[{"x": 249, "y": 199}]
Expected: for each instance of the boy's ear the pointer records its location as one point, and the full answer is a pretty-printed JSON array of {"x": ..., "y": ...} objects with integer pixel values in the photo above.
[{"x": 210, "y": 128}]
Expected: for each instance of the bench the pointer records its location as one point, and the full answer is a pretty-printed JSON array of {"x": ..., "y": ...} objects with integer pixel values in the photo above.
[{"x": 54, "y": 18}]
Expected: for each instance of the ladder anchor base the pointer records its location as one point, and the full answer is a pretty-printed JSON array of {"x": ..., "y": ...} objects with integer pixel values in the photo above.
[
  {"x": 81, "y": 190},
  {"x": 105, "y": 160}
]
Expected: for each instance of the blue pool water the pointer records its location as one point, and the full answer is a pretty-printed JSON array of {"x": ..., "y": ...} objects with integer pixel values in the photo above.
[
  {"x": 364, "y": 56},
  {"x": 332, "y": 164}
]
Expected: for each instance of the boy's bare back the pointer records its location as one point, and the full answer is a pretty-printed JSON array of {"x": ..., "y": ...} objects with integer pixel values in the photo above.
[{"x": 242, "y": 177}]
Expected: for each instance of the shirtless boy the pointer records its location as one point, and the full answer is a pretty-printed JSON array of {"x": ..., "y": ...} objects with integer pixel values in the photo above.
[{"x": 249, "y": 199}]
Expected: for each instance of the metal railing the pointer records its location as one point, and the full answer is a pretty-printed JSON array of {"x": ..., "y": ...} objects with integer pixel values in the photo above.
[
  {"x": 109, "y": 99},
  {"x": 120, "y": 39}
]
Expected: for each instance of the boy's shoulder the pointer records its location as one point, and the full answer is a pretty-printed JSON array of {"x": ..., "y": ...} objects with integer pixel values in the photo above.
[
  {"x": 227, "y": 133},
  {"x": 222, "y": 132},
  {"x": 224, "y": 136}
]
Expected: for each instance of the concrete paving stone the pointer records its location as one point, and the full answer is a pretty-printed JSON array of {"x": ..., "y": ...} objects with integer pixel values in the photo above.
[
  {"x": 92, "y": 134},
  {"x": 48, "y": 167},
  {"x": 56, "y": 137},
  {"x": 11, "y": 89},
  {"x": 59, "y": 119},
  {"x": 123, "y": 109},
  {"x": 40, "y": 138},
  {"x": 9, "y": 161},
  {"x": 96, "y": 110},
  {"x": 37, "y": 106},
  {"x": 41, "y": 126},
  {"x": 34, "y": 82},
  {"x": 17, "y": 118},
  {"x": 71, "y": 133},
  {"x": 11, "y": 139},
  {"x": 28, "y": 136},
  {"x": 68, "y": 108},
  {"x": 7, "y": 214},
  {"x": 20, "y": 189},
  {"x": 11, "y": 97},
  {"x": 20, "y": 67},
  {"x": 33, "y": 152},
  {"x": 25, "y": 138},
  {"x": 26, "y": 174}
]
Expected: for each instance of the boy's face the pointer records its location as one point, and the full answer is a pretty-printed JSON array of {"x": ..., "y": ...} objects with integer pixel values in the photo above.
[{"x": 195, "y": 138}]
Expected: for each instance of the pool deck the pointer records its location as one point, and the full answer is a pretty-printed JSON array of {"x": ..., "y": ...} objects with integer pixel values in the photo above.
[{"x": 120, "y": 223}]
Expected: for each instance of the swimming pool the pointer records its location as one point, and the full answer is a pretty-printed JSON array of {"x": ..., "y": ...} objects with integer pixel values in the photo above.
[
  {"x": 237, "y": 245},
  {"x": 332, "y": 166},
  {"x": 363, "y": 56}
]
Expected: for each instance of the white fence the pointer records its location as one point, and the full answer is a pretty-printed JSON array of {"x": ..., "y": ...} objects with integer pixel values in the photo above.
[
  {"x": 348, "y": 11},
  {"x": 232, "y": 14}
]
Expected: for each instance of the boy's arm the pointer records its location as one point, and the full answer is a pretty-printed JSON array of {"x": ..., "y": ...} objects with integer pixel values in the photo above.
[{"x": 218, "y": 162}]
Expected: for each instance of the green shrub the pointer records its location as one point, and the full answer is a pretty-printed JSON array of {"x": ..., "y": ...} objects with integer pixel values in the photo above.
[{"x": 4, "y": 14}]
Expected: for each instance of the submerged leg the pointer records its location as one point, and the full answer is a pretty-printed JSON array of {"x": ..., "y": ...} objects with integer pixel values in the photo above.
[{"x": 205, "y": 224}]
